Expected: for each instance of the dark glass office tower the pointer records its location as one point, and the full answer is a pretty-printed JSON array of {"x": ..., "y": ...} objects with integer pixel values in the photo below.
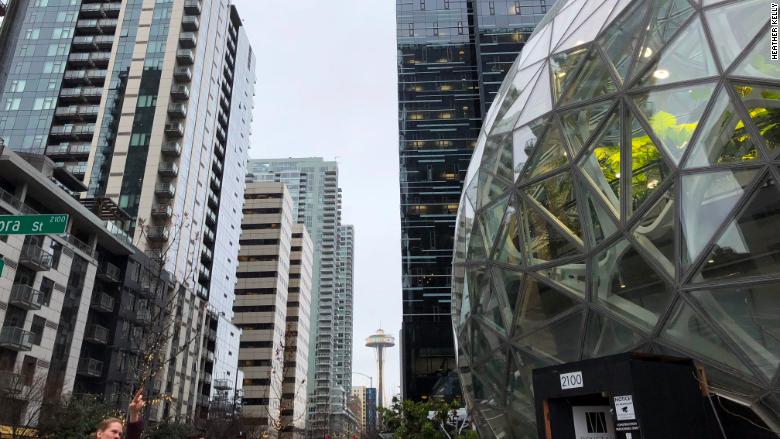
[{"x": 452, "y": 57}]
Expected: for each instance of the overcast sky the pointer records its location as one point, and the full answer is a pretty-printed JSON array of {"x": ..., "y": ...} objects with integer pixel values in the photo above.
[{"x": 327, "y": 87}]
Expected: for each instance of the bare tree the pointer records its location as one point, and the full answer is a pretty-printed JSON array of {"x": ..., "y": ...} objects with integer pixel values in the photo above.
[
  {"x": 159, "y": 343},
  {"x": 21, "y": 398}
]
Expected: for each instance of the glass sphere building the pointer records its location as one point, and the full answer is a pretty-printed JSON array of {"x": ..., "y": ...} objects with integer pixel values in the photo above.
[{"x": 623, "y": 195}]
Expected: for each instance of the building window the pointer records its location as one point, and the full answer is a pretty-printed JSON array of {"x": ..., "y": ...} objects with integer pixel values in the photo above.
[
  {"x": 422, "y": 5},
  {"x": 18, "y": 86},
  {"x": 12, "y": 104},
  {"x": 492, "y": 7},
  {"x": 36, "y": 328},
  {"x": 32, "y": 34},
  {"x": 411, "y": 29}
]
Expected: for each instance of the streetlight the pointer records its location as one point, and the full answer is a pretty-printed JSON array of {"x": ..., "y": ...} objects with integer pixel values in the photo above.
[{"x": 370, "y": 378}]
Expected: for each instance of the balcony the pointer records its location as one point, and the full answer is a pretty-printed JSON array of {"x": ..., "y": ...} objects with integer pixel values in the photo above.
[
  {"x": 171, "y": 149},
  {"x": 206, "y": 255},
  {"x": 208, "y": 235},
  {"x": 180, "y": 92},
  {"x": 14, "y": 385},
  {"x": 182, "y": 74},
  {"x": 102, "y": 302},
  {"x": 213, "y": 200},
  {"x": 222, "y": 384},
  {"x": 143, "y": 317},
  {"x": 188, "y": 40},
  {"x": 211, "y": 217},
  {"x": 185, "y": 56},
  {"x": 35, "y": 258},
  {"x": 168, "y": 169},
  {"x": 157, "y": 234},
  {"x": 177, "y": 110},
  {"x": 77, "y": 112},
  {"x": 205, "y": 273},
  {"x": 83, "y": 94},
  {"x": 216, "y": 184},
  {"x": 109, "y": 272},
  {"x": 16, "y": 339},
  {"x": 174, "y": 130},
  {"x": 165, "y": 190},
  {"x": 221, "y": 134},
  {"x": 25, "y": 297},
  {"x": 217, "y": 166},
  {"x": 96, "y": 334},
  {"x": 220, "y": 150},
  {"x": 73, "y": 131},
  {"x": 162, "y": 211},
  {"x": 90, "y": 367},
  {"x": 88, "y": 26},
  {"x": 192, "y": 7},
  {"x": 190, "y": 23},
  {"x": 108, "y": 24}
]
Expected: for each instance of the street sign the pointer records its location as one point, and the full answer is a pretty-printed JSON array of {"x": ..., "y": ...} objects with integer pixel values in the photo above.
[
  {"x": 33, "y": 224},
  {"x": 2, "y": 266}
]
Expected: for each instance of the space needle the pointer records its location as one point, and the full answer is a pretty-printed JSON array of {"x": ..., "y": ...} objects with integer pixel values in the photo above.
[{"x": 379, "y": 340}]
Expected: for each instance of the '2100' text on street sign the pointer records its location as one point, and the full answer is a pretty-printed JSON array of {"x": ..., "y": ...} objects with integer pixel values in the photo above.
[{"x": 33, "y": 224}]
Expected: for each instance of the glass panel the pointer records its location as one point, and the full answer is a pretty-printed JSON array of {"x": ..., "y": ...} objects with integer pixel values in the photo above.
[
  {"x": 492, "y": 309},
  {"x": 602, "y": 163},
  {"x": 666, "y": 18},
  {"x": 524, "y": 142},
  {"x": 556, "y": 195},
  {"x": 563, "y": 67},
  {"x": 520, "y": 389},
  {"x": 706, "y": 201},
  {"x": 728, "y": 27},
  {"x": 477, "y": 281},
  {"x": 488, "y": 187},
  {"x": 749, "y": 316},
  {"x": 549, "y": 155},
  {"x": 688, "y": 57},
  {"x": 580, "y": 124},
  {"x": 586, "y": 25},
  {"x": 648, "y": 169},
  {"x": 564, "y": 19},
  {"x": 763, "y": 106},
  {"x": 686, "y": 328},
  {"x": 592, "y": 80},
  {"x": 507, "y": 283},
  {"x": 624, "y": 282},
  {"x": 519, "y": 91},
  {"x": 478, "y": 246},
  {"x": 601, "y": 223},
  {"x": 674, "y": 115},
  {"x": 539, "y": 303},
  {"x": 758, "y": 64},
  {"x": 497, "y": 158},
  {"x": 655, "y": 232},
  {"x": 560, "y": 340},
  {"x": 570, "y": 277},
  {"x": 540, "y": 98},
  {"x": 509, "y": 246},
  {"x": 484, "y": 341},
  {"x": 543, "y": 241},
  {"x": 724, "y": 137},
  {"x": 605, "y": 336},
  {"x": 750, "y": 245},
  {"x": 620, "y": 38},
  {"x": 492, "y": 218}
]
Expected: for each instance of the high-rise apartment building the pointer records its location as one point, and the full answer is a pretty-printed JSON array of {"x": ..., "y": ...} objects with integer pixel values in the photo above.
[
  {"x": 366, "y": 401},
  {"x": 296, "y": 349},
  {"x": 452, "y": 57},
  {"x": 149, "y": 104},
  {"x": 272, "y": 309},
  {"x": 313, "y": 185}
]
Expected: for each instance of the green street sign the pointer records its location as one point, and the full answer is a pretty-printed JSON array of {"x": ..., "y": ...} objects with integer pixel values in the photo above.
[
  {"x": 33, "y": 224},
  {"x": 2, "y": 265}
]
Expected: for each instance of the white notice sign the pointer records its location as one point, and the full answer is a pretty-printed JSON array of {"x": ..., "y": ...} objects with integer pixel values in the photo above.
[
  {"x": 624, "y": 408},
  {"x": 571, "y": 380}
]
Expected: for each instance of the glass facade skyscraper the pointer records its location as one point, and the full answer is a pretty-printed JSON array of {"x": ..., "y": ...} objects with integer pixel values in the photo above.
[{"x": 452, "y": 57}]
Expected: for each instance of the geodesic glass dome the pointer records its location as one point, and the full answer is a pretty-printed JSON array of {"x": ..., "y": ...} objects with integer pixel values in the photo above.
[{"x": 623, "y": 196}]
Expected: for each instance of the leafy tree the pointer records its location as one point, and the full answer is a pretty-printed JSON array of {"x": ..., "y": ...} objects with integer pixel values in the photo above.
[
  {"x": 424, "y": 420},
  {"x": 74, "y": 417}
]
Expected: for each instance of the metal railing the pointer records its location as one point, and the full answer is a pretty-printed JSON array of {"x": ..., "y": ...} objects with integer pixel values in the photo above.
[
  {"x": 15, "y": 338},
  {"x": 24, "y": 296},
  {"x": 35, "y": 256}
]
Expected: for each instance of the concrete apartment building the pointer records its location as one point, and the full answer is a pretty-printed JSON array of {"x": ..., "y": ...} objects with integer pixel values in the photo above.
[
  {"x": 313, "y": 186},
  {"x": 74, "y": 308},
  {"x": 149, "y": 104},
  {"x": 272, "y": 308},
  {"x": 364, "y": 399},
  {"x": 296, "y": 367}
]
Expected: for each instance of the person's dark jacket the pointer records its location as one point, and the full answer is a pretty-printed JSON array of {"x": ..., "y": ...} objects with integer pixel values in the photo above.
[{"x": 134, "y": 429}]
